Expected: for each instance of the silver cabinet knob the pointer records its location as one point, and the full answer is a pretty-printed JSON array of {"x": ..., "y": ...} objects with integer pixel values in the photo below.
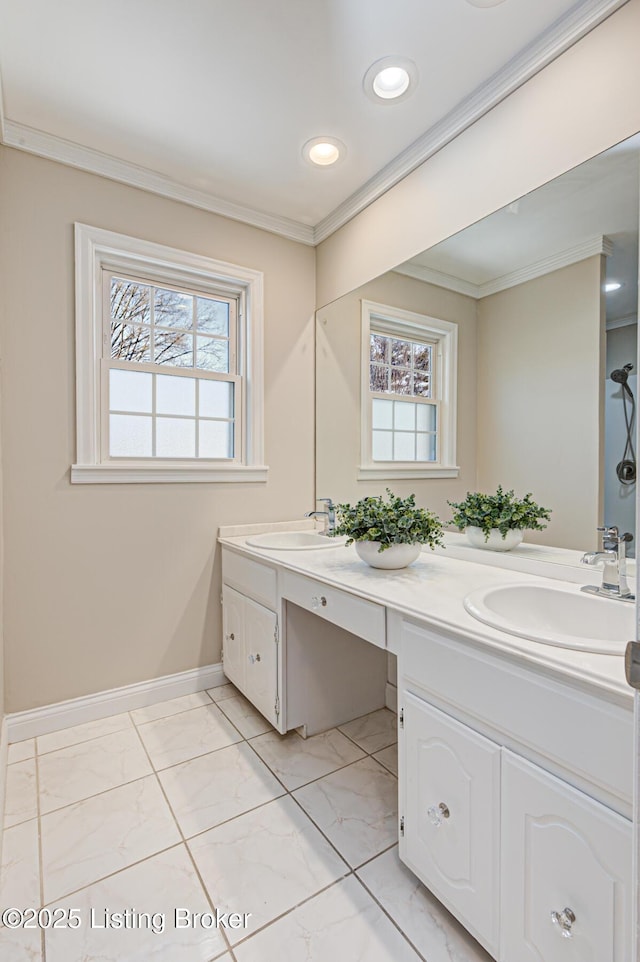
[
  {"x": 230, "y": 637},
  {"x": 318, "y": 601},
  {"x": 564, "y": 921},
  {"x": 437, "y": 814},
  {"x": 254, "y": 658}
]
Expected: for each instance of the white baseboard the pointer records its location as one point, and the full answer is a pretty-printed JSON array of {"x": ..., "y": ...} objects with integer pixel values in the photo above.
[
  {"x": 76, "y": 711},
  {"x": 391, "y": 697},
  {"x": 4, "y": 755}
]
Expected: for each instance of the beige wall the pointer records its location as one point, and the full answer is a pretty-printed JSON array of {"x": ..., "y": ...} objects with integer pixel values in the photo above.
[
  {"x": 576, "y": 107},
  {"x": 107, "y": 585},
  {"x": 338, "y": 390},
  {"x": 540, "y": 397},
  {"x": 622, "y": 347}
]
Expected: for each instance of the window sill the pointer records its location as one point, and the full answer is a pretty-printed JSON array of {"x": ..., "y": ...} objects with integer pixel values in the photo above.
[
  {"x": 400, "y": 472},
  {"x": 138, "y": 472}
]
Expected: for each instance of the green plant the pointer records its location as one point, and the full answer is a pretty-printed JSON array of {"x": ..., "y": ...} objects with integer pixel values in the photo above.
[
  {"x": 395, "y": 521},
  {"x": 501, "y": 510}
]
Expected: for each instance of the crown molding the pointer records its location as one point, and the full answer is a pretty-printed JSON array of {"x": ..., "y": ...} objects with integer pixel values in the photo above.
[
  {"x": 94, "y": 161},
  {"x": 561, "y": 35},
  {"x": 571, "y": 255},
  {"x": 567, "y": 30},
  {"x": 439, "y": 278},
  {"x": 626, "y": 321}
]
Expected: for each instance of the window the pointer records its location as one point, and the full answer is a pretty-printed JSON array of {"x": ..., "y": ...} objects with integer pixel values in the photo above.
[
  {"x": 408, "y": 394},
  {"x": 169, "y": 364}
]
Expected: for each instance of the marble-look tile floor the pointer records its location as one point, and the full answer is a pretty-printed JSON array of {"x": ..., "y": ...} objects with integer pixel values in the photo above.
[{"x": 131, "y": 833}]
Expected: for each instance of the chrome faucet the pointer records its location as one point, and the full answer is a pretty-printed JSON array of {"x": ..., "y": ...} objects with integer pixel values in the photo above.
[
  {"x": 614, "y": 558},
  {"x": 329, "y": 515}
]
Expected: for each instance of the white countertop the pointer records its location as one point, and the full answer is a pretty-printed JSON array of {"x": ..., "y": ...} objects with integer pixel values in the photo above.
[{"x": 432, "y": 589}]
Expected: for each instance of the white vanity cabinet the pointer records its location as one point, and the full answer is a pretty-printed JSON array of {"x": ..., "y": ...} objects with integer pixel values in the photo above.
[
  {"x": 250, "y": 652},
  {"x": 450, "y": 800},
  {"x": 518, "y": 833},
  {"x": 566, "y": 872}
]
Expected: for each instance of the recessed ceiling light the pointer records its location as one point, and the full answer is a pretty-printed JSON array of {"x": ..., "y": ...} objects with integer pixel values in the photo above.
[
  {"x": 611, "y": 286},
  {"x": 323, "y": 151},
  {"x": 485, "y": 3},
  {"x": 390, "y": 79}
]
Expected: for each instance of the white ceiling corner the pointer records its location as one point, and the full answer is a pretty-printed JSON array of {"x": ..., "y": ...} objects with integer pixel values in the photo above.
[
  {"x": 566, "y": 31},
  {"x": 576, "y": 20}
]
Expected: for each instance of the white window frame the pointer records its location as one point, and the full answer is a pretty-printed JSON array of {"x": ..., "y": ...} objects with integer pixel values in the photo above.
[
  {"x": 97, "y": 250},
  {"x": 408, "y": 325}
]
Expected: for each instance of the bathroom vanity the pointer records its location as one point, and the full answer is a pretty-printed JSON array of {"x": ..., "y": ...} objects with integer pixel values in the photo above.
[{"x": 515, "y": 758}]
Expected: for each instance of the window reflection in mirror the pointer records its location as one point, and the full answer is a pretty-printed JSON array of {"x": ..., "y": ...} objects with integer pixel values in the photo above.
[{"x": 538, "y": 339}]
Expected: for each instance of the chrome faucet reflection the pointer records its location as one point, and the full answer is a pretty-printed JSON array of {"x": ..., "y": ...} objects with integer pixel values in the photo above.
[
  {"x": 329, "y": 515},
  {"x": 614, "y": 559}
]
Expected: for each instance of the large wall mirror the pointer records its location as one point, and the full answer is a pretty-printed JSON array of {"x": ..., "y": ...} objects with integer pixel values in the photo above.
[{"x": 539, "y": 328}]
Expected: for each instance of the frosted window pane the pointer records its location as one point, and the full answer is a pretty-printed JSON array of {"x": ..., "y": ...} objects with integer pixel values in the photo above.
[
  {"x": 426, "y": 417},
  {"x": 426, "y": 447},
  {"x": 130, "y": 342},
  {"x": 175, "y": 395},
  {"x": 212, "y": 316},
  {"x": 213, "y": 355},
  {"x": 382, "y": 414},
  {"x": 175, "y": 438},
  {"x": 382, "y": 448},
  {"x": 173, "y": 347},
  {"x": 130, "y": 391},
  {"x": 216, "y": 399},
  {"x": 404, "y": 416},
  {"x": 215, "y": 439},
  {"x": 129, "y": 436},
  {"x": 404, "y": 447},
  {"x": 173, "y": 309}
]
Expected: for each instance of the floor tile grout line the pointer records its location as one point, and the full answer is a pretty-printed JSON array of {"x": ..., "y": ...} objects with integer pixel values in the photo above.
[
  {"x": 311, "y": 780},
  {"x": 82, "y": 741},
  {"x": 388, "y": 915},
  {"x": 173, "y": 714},
  {"x": 286, "y": 791},
  {"x": 104, "y": 878},
  {"x": 350, "y": 870},
  {"x": 177, "y": 714},
  {"x": 184, "y": 841},
  {"x": 293, "y": 908},
  {"x": 104, "y": 791}
]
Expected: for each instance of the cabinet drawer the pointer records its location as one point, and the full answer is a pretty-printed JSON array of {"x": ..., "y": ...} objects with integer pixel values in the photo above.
[
  {"x": 253, "y": 579},
  {"x": 566, "y": 872},
  {"x": 450, "y": 801},
  {"x": 364, "y": 618},
  {"x": 581, "y": 736}
]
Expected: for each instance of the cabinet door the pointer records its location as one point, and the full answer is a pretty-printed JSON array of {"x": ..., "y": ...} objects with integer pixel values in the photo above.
[
  {"x": 261, "y": 659},
  {"x": 450, "y": 800},
  {"x": 233, "y": 659},
  {"x": 566, "y": 872}
]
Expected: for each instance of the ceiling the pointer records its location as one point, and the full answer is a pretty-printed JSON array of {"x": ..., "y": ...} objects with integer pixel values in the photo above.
[
  {"x": 556, "y": 224},
  {"x": 211, "y": 101}
]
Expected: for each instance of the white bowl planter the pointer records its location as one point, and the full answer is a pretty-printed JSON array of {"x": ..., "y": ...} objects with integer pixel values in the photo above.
[
  {"x": 495, "y": 542},
  {"x": 395, "y": 556}
]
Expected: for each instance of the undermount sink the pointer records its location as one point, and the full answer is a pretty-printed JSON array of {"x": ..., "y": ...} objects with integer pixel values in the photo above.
[
  {"x": 293, "y": 541},
  {"x": 560, "y": 616}
]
